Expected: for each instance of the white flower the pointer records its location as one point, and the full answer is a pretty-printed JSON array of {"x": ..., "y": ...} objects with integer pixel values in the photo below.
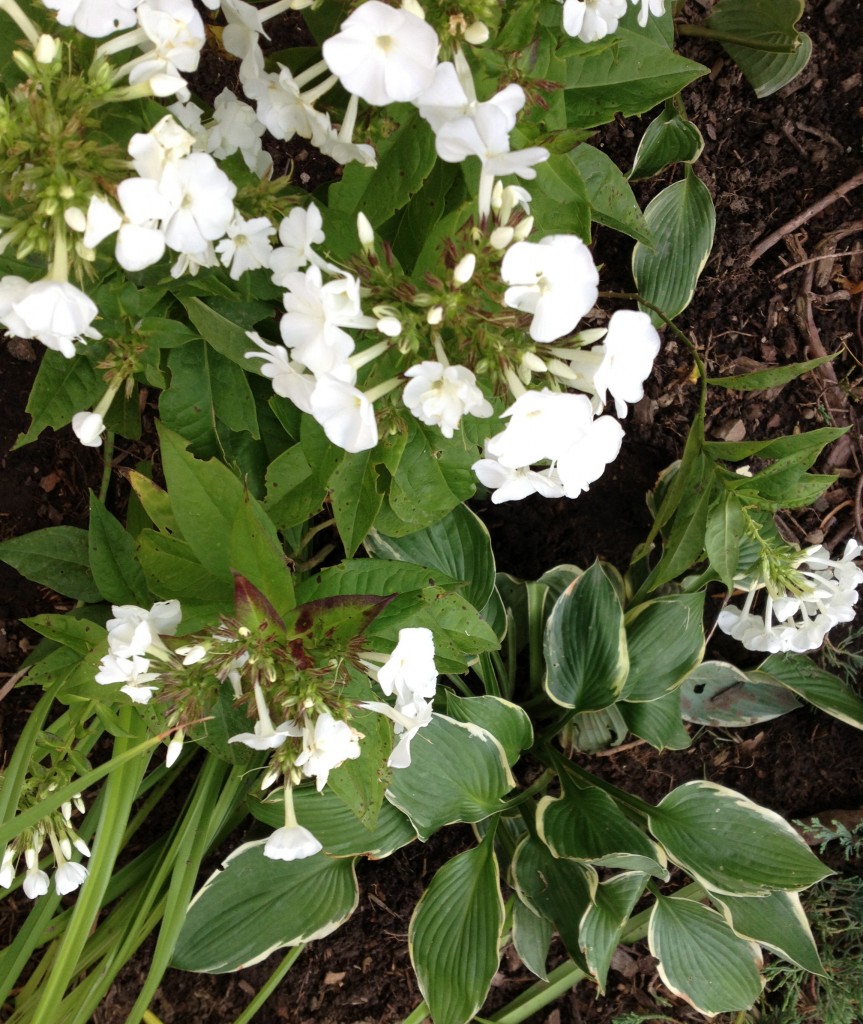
[
  {"x": 592, "y": 19},
  {"x": 7, "y": 867},
  {"x": 410, "y": 670},
  {"x": 291, "y": 842},
  {"x": 407, "y": 720},
  {"x": 247, "y": 245},
  {"x": 12, "y": 288},
  {"x": 591, "y": 449},
  {"x": 347, "y": 416},
  {"x": 176, "y": 31},
  {"x": 167, "y": 142},
  {"x": 88, "y": 427},
  {"x": 555, "y": 279},
  {"x": 236, "y": 127},
  {"x": 68, "y": 877},
  {"x": 56, "y": 313},
  {"x": 629, "y": 349},
  {"x": 266, "y": 736},
  {"x": 284, "y": 110},
  {"x": 330, "y": 743},
  {"x": 36, "y": 881},
  {"x": 654, "y": 7},
  {"x": 200, "y": 196},
  {"x": 298, "y": 232},
  {"x": 440, "y": 395},
  {"x": 134, "y": 672},
  {"x": 485, "y": 134},
  {"x": 95, "y": 18},
  {"x": 133, "y": 630},
  {"x": 383, "y": 54},
  {"x": 515, "y": 484},
  {"x": 287, "y": 376},
  {"x": 540, "y": 427},
  {"x": 46, "y": 49}
]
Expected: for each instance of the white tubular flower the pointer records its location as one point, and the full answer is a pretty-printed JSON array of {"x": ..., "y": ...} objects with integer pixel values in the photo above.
[
  {"x": 410, "y": 670},
  {"x": 7, "y": 868},
  {"x": 134, "y": 630},
  {"x": 298, "y": 232},
  {"x": 265, "y": 735},
  {"x": 288, "y": 378},
  {"x": 291, "y": 842},
  {"x": 95, "y": 18},
  {"x": 383, "y": 54},
  {"x": 36, "y": 881},
  {"x": 12, "y": 288},
  {"x": 247, "y": 245},
  {"x": 628, "y": 351},
  {"x": 345, "y": 413},
  {"x": 167, "y": 142},
  {"x": 555, "y": 279},
  {"x": 235, "y": 127},
  {"x": 200, "y": 196},
  {"x": 329, "y": 744},
  {"x": 654, "y": 7},
  {"x": 515, "y": 484},
  {"x": 56, "y": 313},
  {"x": 88, "y": 428},
  {"x": 176, "y": 31},
  {"x": 134, "y": 673},
  {"x": 407, "y": 720},
  {"x": 463, "y": 270},
  {"x": 590, "y": 450},
  {"x": 440, "y": 395},
  {"x": 69, "y": 876},
  {"x": 592, "y": 19},
  {"x": 540, "y": 427}
]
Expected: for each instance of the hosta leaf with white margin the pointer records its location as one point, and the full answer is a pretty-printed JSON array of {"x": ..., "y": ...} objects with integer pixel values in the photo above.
[
  {"x": 731, "y": 845},
  {"x": 611, "y": 198},
  {"x": 561, "y": 890},
  {"x": 604, "y": 922},
  {"x": 255, "y": 905},
  {"x": 507, "y": 722},
  {"x": 458, "y": 772},
  {"x": 657, "y": 721},
  {"x": 669, "y": 139},
  {"x": 813, "y": 684},
  {"x": 459, "y": 545},
  {"x": 585, "y": 644},
  {"x": 335, "y": 825},
  {"x": 665, "y": 640},
  {"x": 720, "y": 695},
  {"x": 531, "y": 936},
  {"x": 701, "y": 959},
  {"x": 777, "y": 921},
  {"x": 681, "y": 221},
  {"x": 587, "y": 825},
  {"x": 455, "y": 933},
  {"x": 590, "y": 731},
  {"x": 771, "y": 22}
]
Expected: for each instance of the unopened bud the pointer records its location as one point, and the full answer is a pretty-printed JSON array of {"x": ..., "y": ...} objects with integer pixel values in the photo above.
[
  {"x": 415, "y": 8},
  {"x": 175, "y": 748},
  {"x": 434, "y": 316},
  {"x": 501, "y": 237},
  {"x": 191, "y": 655},
  {"x": 75, "y": 219},
  {"x": 366, "y": 233},
  {"x": 532, "y": 361},
  {"x": 463, "y": 270},
  {"x": 25, "y": 62},
  {"x": 46, "y": 49},
  {"x": 389, "y": 326},
  {"x": 523, "y": 229},
  {"x": 476, "y": 34}
]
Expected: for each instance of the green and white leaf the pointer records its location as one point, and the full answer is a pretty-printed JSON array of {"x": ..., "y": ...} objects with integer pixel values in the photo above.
[
  {"x": 605, "y": 921},
  {"x": 669, "y": 139},
  {"x": 657, "y": 721},
  {"x": 722, "y": 696},
  {"x": 665, "y": 640},
  {"x": 813, "y": 684},
  {"x": 531, "y": 936},
  {"x": 507, "y": 722}
]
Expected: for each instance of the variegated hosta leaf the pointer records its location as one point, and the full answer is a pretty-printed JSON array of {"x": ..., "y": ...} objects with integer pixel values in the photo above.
[
  {"x": 507, "y": 722},
  {"x": 665, "y": 640},
  {"x": 531, "y": 936},
  {"x": 604, "y": 922}
]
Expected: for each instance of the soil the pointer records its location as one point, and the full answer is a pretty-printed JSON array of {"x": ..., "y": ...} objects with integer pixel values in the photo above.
[{"x": 764, "y": 162}]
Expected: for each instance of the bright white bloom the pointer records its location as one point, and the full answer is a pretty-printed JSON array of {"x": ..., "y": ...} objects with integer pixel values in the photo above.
[
  {"x": 88, "y": 428},
  {"x": 410, "y": 670},
  {"x": 287, "y": 376},
  {"x": 265, "y": 735},
  {"x": 594, "y": 444},
  {"x": 200, "y": 196},
  {"x": 134, "y": 630},
  {"x": 452, "y": 95},
  {"x": 69, "y": 876},
  {"x": 555, "y": 279},
  {"x": 540, "y": 427},
  {"x": 345, "y": 413},
  {"x": 440, "y": 395},
  {"x": 330, "y": 743},
  {"x": 592, "y": 19},
  {"x": 176, "y": 31},
  {"x": 247, "y": 245},
  {"x": 485, "y": 134},
  {"x": 7, "y": 868},
  {"x": 36, "y": 881},
  {"x": 515, "y": 484},
  {"x": 291, "y": 842},
  {"x": 167, "y": 142},
  {"x": 12, "y": 288},
  {"x": 133, "y": 672},
  {"x": 298, "y": 232},
  {"x": 654, "y": 7},
  {"x": 383, "y": 54},
  {"x": 407, "y": 720},
  {"x": 56, "y": 313},
  {"x": 284, "y": 110},
  {"x": 95, "y": 18},
  {"x": 236, "y": 127}
]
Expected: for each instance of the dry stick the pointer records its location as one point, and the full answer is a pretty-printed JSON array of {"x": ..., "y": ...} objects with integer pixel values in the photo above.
[
  {"x": 858, "y": 493},
  {"x": 802, "y": 218}
]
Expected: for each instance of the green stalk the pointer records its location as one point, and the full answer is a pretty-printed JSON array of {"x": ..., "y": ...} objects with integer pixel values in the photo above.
[
  {"x": 752, "y": 43},
  {"x": 272, "y": 984},
  {"x": 16, "y": 770},
  {"x": 420, "y": 1014}
]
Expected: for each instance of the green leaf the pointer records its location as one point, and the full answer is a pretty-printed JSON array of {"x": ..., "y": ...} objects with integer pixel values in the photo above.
[
  {"x": 79, "y": 635},
  {"x": 585, "y": 644},
  {"x": 587, "y": 825},
  {"x": 669, "y": 139},
  {"x": 112, "y": 559},
  {"x": 294, "y": 493},
  {"x": 628, "y": 73},
  {"x": 771, "y": 22},
  {"x": 719, "y": 695},
  {"x": 729, "y": 844},
  {"x": 256, "y": 553},
  {"x": 775, "y": 377},
  {"x": 777, "y": 448},
  {"x": 611, "y": 198},
  {"x": 813, "y": 684},
  {"x": 224, "y": 720},
  {"x": 531, "y": 936},
  {"x": 57, "y": 557},
  {"x": 458, "y": 772},
  {"x": 360, "y": 782},
  {"x": 454, "y": 935},
  {"x": 685, "y": 936},
  {"x": 355, "y": 498},
  {"x": 62, "y": 388},
  {"x": 605, "y": 921},
  {"x": 222, "y": 334},
  {"x": 369, "y": 576},
  {"x": 723, "y": 533},
  {"x": 777, "y": 921},
  {"x": 508, "y": 723},
  {"x": 256, "y": 905},
  {"x": 459, "y": 545},
  {"x": 561, "y": 890},
  {"x": 155, "y": 502},
  {"x": 681, "y": 221},
  {"x": 657, "y": 721},
  {"x": 665, "y": 639},
  {"x": 172, "y": 570},
  {"x": 560, "y": 202},
  {"x": 335, "y": 825}
]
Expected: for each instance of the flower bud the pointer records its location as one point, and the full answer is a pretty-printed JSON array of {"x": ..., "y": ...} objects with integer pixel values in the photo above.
[
  {"x": 366, "y": 233},
  {"x": 463, "y": 270},
  {"x": 477, "y": 33},
  {"x": 88, "y": 427},
  {"x": 434, "y": 316},
  {"x": 532, "y": 361},
  {"x": 75, "y": 219},
  {"x": 501, "y": 237},
  {"x": 523, "y": 229},
  {"x": 25, "y": 62},
  {"x": 413, "y": 7},
  {"x": 46, "y": 49},
  {"x": 389, "y": 326}
]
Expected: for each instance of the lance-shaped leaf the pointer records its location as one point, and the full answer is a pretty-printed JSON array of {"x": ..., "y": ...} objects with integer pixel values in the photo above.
[
  {"x": 253, "y": 610},
  {"x": 561, "y": 890},
  {"x": 587, "y": 825},
  {"x": 777, "y": 921},
  {"x": 455, "y": 932},
  {"x": 701, "y": 959},
  {"x": 325, "y": 627},
  {"x": 57, "y": 557},
  {"x": 458, "y": 772},
  {"x": 604, "y": 922},
  {"x": 731, "y": 845},
  {"x": 665, "y": 640},
  {"x": 720, "y": 695},
  {"x": 507, "y": 722},
  {"x": 657, "y": 721},
  {"x": 112, "y": 558},
  {"x": 335, "y": 825},
  {"x": 812, "y": 683},
  {"x": 531, "y": 936},
  {"x": 256, "y": 905},
  {"x": 585, "y": 644},
  {"x": 669, "y": 139},
  {"x": 723, "y": 535}
]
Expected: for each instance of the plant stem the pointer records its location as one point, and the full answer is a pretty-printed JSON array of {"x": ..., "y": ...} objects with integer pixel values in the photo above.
[
  {"x": 272, "y": 983},
  {"x": 753, "y": 43}
]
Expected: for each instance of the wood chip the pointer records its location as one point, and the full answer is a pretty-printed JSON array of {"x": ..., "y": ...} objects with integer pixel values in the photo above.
[{"x": 334, "y": 977}]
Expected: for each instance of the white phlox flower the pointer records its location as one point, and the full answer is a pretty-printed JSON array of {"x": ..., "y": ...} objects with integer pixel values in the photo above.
[
  {"x": 440, "y": 395},
  {"x": 284, "y": 110},
  {"x": 326, "y": 745},
  {"x": 235, "y": 126},
  {"x": 176, "y": 32},
  {"x": 514, "y": 484},
  {"x": 289, "y": 380},
  {"x": 555, "y": 279},
  {"x": 134, "y": 673},
  {"x": 452, "y": 95},
  {"x": 291, "y": 842},
  {"x": 298, "y": 232},
  {"x": 266, "y": 736},
  {"x": 36, "y": 881},
  {"x": 95, "y": 18},
  {"x": 410, "y": 670},
  {"x": 346, "y": 414},
  {"x": 56, "y": 313},
  {"x": 246, "y": 245},
  {"x": 407, "y": 721},
  {"x": 340, "y": 146},
  {"x": 134, "y": 630},
  {"x": 200, "y": 196},
  {"x": 12, "y": 288},
  {"x": 383, "y": 54},
  {"x": 591, "y": 20}
]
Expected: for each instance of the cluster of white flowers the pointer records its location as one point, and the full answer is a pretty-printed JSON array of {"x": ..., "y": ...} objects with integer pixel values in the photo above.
[
  {"x": 798, "y": 621},
  {"x": 134, "y": 638},
  {"x": 54, "y": 312},
  {"x": 592, "y": 20},
  {"x": 63, "y": 839}
]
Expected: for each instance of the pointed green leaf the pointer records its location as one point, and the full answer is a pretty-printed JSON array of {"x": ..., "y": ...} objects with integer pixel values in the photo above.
[
  {"x": 722, "y": 536},
  {"x": 112, "y": 558},
  {"x": 560, "y": 202},
  {"x": 813, "y": 684},
  {"x": 585, "y": 644},
  {"x": 665, "y": 640},
  {"x": 79, "y": 635},
  {"x": 611, "y": 198},
  {"x": 730, "y": 844},
  {"x": 669, "y": 139},
  {"x": 701, "y": 959},
  {"x": 172, "y": 570},
  {"x": 531, "y": 936},
  {"x": 508, "y": 723},
  {"x": 255, "y": 905},
  {"x": 62, "y": 388},
  {"x": 156, "y": 503},
  {"x": 256, "y": 552},
  {"x": 605, "y": 921},
  {"x": 355, "y": 498},
  {"x": 657, "y": 721},
  {"x": 455, "y": 932},
  {"x": 775, "y": 377},
  {"x": 56, "y": 557}
]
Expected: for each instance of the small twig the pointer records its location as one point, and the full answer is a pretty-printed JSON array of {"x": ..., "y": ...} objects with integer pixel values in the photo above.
[
  {"x": 858, "y": 495},
  {"x": 618, "y": 750},
  {"x": 833, "y": 512},
  {"x": 803, "y": 217},
  {"x": 13, "y": 681},
  {"x": 812, "y": 259}
]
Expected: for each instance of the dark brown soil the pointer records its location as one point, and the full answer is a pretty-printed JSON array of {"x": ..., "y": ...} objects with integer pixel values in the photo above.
[{"x": 764, "y": 162}]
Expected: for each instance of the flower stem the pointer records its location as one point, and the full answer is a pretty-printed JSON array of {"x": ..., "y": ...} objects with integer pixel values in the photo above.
[{"x": 21, "y": 20}]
